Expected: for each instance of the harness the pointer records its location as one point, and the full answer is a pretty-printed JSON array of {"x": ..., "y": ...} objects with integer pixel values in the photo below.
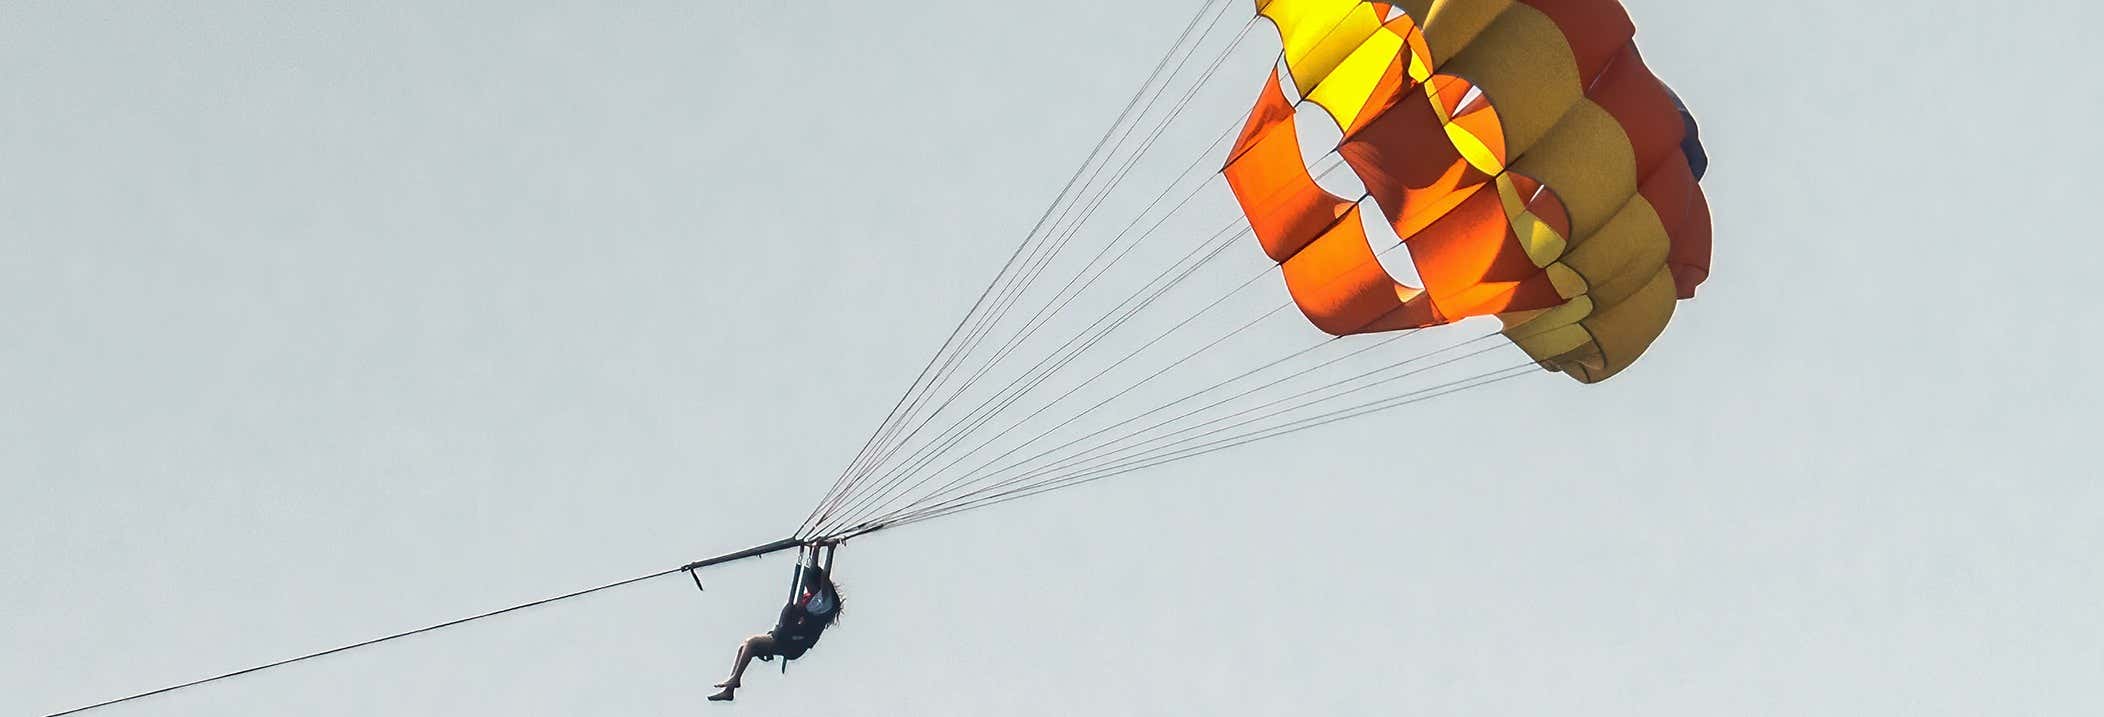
[{"x": 817, "y": 556}]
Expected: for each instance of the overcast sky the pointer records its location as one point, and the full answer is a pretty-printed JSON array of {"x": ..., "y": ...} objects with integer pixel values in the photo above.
[{"x": 322, "y": 320}]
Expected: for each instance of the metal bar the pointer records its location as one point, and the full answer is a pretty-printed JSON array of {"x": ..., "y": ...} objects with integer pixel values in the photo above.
[{"x": 752, "y": 552}]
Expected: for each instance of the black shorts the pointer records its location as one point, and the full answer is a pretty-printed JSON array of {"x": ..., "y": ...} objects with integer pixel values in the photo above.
[{"x": 789, "y": 648}]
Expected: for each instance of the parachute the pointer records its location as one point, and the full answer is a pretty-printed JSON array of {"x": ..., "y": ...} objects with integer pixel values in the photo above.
[
  {"x": 1533, "y": 165},
  {"x": 1528, "y": 162}
]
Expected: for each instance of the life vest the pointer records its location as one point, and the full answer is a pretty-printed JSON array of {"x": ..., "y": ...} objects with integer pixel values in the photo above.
[{"x": 819, "y": 604}]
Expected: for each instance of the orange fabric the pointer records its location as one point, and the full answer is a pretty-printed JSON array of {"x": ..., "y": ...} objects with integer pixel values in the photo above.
[
  {"x": 1340, "y": 285},
  {"x": 1472, "y": 265},
  {"x": 1634, "y": 96},
  {"x": 1647, "y": 113},
  {"x": 1637, "y": 100},
  {"x": 1286, "y": 209},
  {"x": 1481, "y": 121},
  {"x": 1414, "y": 181},
  {"x": 1271, "y": 109},
  {"x": 1542, "y": 202},
  {"x": 1317, "y": 237},
  {"x": 1446, "y": 210},
  {"x": 1690, "y": 256},
  {"x": 1397, "y": 80},
  {"x": 1671, "y": 190}
]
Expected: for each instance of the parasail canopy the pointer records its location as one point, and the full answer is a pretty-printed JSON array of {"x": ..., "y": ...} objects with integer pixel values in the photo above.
[{"x": 1534, "y": 167}]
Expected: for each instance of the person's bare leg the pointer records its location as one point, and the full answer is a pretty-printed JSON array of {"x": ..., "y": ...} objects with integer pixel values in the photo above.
[{"x": 738, "y": 665}]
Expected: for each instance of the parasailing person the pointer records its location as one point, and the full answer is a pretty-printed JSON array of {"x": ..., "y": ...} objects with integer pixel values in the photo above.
[{"x": 815, "y": 607}]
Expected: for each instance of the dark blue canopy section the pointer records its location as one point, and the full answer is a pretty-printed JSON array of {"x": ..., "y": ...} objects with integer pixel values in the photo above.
[{"x": 1698, "y": 159}]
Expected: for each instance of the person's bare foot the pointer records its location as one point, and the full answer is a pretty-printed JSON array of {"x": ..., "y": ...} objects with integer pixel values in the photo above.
[{"x": 728, "y": 694}]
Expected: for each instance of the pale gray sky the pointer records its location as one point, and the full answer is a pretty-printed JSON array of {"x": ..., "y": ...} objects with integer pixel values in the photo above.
[{"x": 322, "y": 321}]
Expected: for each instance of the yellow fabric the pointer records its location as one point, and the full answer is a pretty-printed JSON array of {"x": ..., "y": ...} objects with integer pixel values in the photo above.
[
  {"x": 1524, "y": 64},
  {"x": 1624, "y": 330},
  {"x": 1319, "y": 34},
  {"x": 1524, "y": 325},
  {"x": 1557, "y": 344},
  {"x": 1568, "y": 283},
  {"x": 1451, "y": 25},
  {"x": 1631, "y": 299},
  {"x": 1587, "y": 158},
  {"x": 1617, "y": 260},
  {"x": 1420, "y": 67},
  {"x": 1541, "y": 241},
  {"x": 1548, "y": 333},
  {"x": 1473, "y": 148},
  {"x": 1347, "y": 88},
  {"x": 1613, "y": 262}
]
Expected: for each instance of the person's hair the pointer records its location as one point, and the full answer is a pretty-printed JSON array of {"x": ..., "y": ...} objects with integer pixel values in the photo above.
[{"x": 817, "y": 577}]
